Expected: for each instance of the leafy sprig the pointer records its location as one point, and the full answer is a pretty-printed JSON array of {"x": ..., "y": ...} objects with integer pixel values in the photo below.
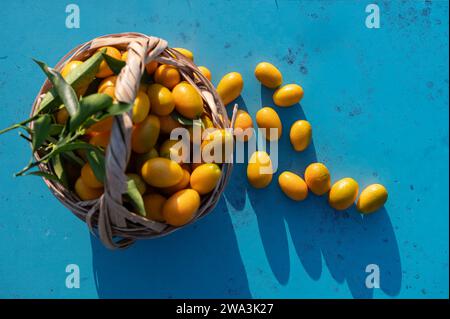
[{"x": 55, "y": 142}]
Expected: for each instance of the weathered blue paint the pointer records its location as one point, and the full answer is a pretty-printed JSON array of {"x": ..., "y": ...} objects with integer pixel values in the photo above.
[{"x": 378, "y": 103}]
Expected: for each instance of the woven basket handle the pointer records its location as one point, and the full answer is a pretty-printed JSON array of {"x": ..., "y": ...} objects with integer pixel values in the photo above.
[{"x": 111, "y": 211}]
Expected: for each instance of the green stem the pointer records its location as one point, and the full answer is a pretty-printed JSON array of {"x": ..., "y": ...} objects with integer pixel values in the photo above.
[
  {"x": 25, "y": 137},
  {"x": 18, "y": 125},
  {"x": 73, "y": 157},
  {"x": 26, "y": 168}
]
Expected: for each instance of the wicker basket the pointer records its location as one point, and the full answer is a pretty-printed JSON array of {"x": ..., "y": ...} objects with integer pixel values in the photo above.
[{"x": 107, "y": 217}]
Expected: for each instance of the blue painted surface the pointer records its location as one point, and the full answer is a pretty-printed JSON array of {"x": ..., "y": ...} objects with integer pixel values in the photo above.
[{"x": 378, "y": 102}]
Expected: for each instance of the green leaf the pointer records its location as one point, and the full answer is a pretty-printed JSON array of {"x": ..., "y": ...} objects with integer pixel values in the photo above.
[
  {"x": 30, "y": 165},
  {"x": 41, "y": 130},
  {"x": 63, "y": 89},
  {"x": 25, "y": 137},
  {"x": 181, "y": 119},
  {"x": 93, "y": 86},
  {"x": 73, "y": 158},
  {"x": 97, "y": 161},
  {"x": 55, "y": 129},
  {"x": 114, "y": 64},
  {"x": 44, "y": 175},
  {"x": 118, "y": 108},
  {"x": 26, "y": 129},
  {"x": 68, "y": 147},
  {"x": 114, "y": 109},
  {"x": 59, "y": 170},
  {"x": 89, "y": 106},
  {"x": 19, "y": 125},
  {"x": 135, "y": 197},
  {"x": 80, "y": 77}
]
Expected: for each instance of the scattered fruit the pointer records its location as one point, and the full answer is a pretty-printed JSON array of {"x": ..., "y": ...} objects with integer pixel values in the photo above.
[
  {"x": 259, "y": 169},
  {"x": 268, "y": 75},
  {"x": 268, "y": 119},
  {"x": 288, "y": 95},
  {"x": 175, "y": 103},
  {"x": 343, "y": 193},
  {"x": 317, "y": 178},
  {"x": 300, "y": 135},
  {"x": 230, "y": 87},
  {"x": 372, "y": 198},
  {"x": 243, "y": 126},
  {"x": 293, "y": 186}
]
